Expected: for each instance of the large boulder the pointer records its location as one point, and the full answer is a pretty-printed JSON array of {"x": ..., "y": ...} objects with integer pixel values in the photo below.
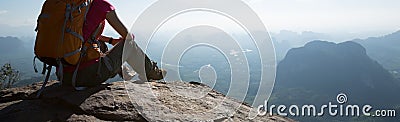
[{"x": 124, "y": 101}]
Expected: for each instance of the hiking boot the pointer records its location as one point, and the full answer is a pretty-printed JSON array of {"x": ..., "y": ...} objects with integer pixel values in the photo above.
[{"x": 155, "y": 73}]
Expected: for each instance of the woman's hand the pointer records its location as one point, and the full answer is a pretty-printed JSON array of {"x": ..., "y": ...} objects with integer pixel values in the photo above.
[
  {"x": 104, "y": 38},
  {"x": 110, "y": 40},
  {"x": 116, "y": 41}
]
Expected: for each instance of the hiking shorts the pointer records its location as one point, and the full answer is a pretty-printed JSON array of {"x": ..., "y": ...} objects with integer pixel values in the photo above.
[{"x": 107, "y": 67}]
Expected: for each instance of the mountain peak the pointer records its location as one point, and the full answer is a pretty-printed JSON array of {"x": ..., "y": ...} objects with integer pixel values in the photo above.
[
  {"x": 334, "y": 67},
  {"x": 319, "y": 43}
]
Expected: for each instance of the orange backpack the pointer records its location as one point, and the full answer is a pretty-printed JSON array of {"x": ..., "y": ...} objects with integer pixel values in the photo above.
[
  {"x": 59, "y": 31},
  {"x": 59, "y": 39}
]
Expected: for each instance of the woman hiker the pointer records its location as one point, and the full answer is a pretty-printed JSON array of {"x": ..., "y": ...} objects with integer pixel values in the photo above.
[{"x": 98, "y": 67}]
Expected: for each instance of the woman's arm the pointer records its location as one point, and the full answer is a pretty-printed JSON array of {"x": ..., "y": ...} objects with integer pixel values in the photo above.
[
  {"x": 116, "y": 23},
  {"x": 110, "y": 40}
]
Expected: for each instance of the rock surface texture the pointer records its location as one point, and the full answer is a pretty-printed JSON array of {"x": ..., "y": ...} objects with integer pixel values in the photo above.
[{"x": 124, "y": 101}]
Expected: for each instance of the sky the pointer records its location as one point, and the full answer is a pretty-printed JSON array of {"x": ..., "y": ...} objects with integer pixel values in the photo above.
[{"x": 324, "y": 16}]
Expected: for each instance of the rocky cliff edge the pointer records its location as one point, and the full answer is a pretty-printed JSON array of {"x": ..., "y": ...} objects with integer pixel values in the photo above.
[{"x": 124, "y": 101}]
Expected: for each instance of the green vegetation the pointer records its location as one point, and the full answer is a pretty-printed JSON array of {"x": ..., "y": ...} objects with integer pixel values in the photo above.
[{"x": 8, "y": 76}]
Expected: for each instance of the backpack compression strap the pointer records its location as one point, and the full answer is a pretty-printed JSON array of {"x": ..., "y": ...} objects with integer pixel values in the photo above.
[{"x": 92, "y": 40}]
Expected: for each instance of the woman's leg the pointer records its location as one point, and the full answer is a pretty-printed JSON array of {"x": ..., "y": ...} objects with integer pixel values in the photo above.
[{"x": 110, "y": 65}]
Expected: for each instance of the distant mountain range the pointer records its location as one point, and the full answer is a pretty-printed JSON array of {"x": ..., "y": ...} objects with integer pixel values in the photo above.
[
  {"x": 385, "y": 49},
  {"x": 285, "y": 40},
  {"x": 20, "y": 54},
  {"x": 320, "y": 70},
  {"x": 11, "y": 46},
  {"x": 326, "y": 64}
]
